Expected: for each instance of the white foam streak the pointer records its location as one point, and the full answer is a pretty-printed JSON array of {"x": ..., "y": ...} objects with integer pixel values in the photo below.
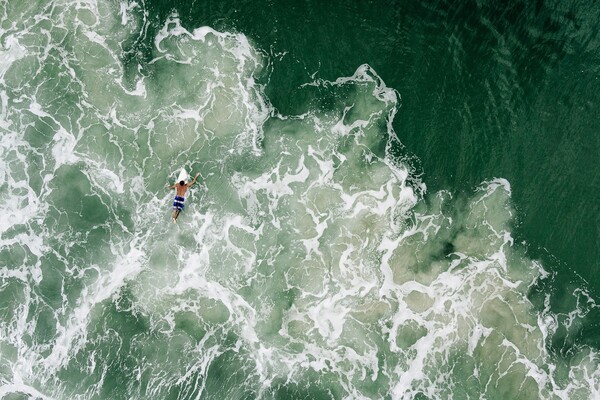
[
  {"x": 140, "y": 88},
  {"x": 22, "y": 388},
  {"x": 11, "y": 52},
  {"x": 63, "y": 150},
  {"x": 72, "y": 337}
]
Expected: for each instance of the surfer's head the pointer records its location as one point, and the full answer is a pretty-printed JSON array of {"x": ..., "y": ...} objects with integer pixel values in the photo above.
[{"x": 182, "y": 183}]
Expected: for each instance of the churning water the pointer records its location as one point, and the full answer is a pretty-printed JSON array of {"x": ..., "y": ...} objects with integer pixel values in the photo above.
[{"x": 310, "y": 263}]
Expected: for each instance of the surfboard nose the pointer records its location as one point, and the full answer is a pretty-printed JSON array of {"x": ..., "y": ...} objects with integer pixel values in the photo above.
[{"x": 183, "y": 175}]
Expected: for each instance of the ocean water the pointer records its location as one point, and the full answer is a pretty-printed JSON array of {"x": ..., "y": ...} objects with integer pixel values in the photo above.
[{"x": 399, "y": 201}]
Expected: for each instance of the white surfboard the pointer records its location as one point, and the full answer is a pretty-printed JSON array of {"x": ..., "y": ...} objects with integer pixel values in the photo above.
[{"x": 183, "y": 175}]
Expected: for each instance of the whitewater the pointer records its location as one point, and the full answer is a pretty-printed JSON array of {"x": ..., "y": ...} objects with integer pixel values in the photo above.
[{"x": 311, "y": 262}]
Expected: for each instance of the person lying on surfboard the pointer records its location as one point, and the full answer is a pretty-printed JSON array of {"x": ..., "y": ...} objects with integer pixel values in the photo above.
[{"x": 181, "y": 188}]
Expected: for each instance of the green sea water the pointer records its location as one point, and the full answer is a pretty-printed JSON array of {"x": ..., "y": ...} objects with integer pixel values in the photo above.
[{"x": 399, "y": 200}]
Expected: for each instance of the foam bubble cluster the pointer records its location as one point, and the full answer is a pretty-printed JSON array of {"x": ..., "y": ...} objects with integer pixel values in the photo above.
[{"x": 310, "y": 262}]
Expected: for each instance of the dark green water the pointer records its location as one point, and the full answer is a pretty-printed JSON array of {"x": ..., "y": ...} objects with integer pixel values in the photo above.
[{"x": 399, "y": 200}]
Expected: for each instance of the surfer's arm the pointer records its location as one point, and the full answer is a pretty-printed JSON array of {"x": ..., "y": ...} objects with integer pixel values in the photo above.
[
  {"x": 170, "y": 186},
  {"x": 195, "y": 179}
]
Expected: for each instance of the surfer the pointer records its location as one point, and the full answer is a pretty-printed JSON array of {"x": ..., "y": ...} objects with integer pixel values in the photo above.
[{"x": 181, "y": 187}]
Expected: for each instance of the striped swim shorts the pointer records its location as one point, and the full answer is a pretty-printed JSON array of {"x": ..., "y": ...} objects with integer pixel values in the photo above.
[{"x": 178, "y": 203}]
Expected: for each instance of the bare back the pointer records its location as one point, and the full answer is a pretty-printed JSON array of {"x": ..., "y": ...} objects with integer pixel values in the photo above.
[{"x": 181, "y": 190}]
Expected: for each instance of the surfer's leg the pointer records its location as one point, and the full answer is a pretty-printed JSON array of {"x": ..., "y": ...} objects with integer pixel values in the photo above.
[{"x": 177, "y": 207}]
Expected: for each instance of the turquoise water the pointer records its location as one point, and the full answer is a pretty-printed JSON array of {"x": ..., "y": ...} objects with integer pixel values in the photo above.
[{"x": 399, "y": 201}]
